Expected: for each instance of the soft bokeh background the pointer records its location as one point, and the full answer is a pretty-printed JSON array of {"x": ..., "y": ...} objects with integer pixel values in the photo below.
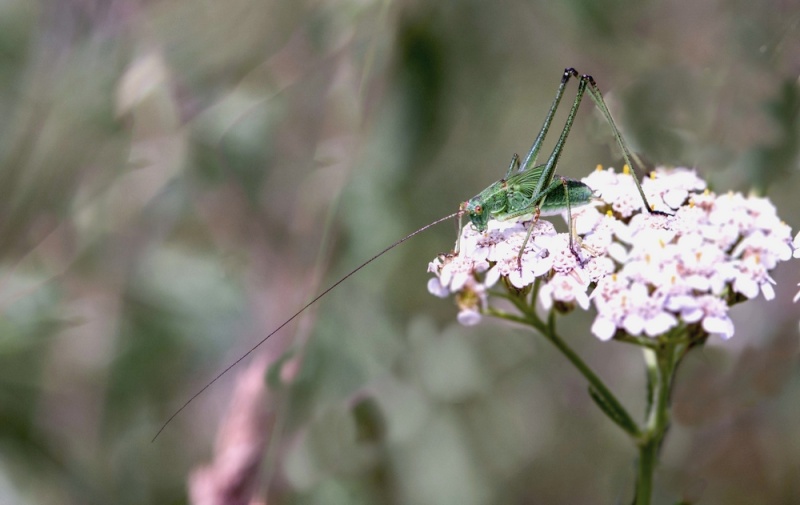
[{"x": 178, "y": 177}]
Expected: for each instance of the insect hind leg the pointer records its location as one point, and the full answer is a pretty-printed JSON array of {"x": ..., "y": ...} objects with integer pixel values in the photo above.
[
  {"x": 530, "y": 158},
  {"x": 627, "y": 154}
]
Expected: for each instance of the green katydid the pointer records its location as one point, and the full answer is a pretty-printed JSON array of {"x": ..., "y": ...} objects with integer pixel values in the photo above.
[{"x": 527, "y": 189}]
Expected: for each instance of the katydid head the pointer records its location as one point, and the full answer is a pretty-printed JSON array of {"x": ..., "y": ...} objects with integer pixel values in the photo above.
[{"x": 478, "y": 214}]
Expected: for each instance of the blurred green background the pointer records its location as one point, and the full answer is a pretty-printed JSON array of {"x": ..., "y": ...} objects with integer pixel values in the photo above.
[{"x": 178, "y": 177}]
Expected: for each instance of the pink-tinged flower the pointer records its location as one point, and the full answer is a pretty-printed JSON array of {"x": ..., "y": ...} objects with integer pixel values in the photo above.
[
  {"x": 436, "y": 289},
  {"x": 611, "y": 299},
  {"x": 672, "y": 187},
  {"x": 617, "y": 190},
  {"x": 564, "y": 260},
  {"x": 568, "y": 288},
  {"x": 750, "y": 276},
  {"x": 469, "y": 317},
  {"x": 597, "y": 268},
  {"x": 769, "y": 247},
  {"x": 493, "y": 243},
  {"x": 710, "y": 309},
  {"x": 647, "y": 313},
  {"x": 520, "y": 272},
  {"x": 457, "y": 270}
]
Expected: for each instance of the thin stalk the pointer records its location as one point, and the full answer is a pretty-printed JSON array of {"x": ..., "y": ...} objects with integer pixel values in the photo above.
[
  {"x": 530, "y": 318},
  {"x": 648, "y": 456},
  {"x": 627, "y": 424},
  {"x": 661, "y": 369}
]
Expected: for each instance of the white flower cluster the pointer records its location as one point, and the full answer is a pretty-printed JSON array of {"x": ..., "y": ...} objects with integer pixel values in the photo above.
[{"x": 645, "y": 273}]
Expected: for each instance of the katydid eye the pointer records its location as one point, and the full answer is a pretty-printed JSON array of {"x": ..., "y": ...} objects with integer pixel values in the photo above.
[{"x": 478, "y": 209}]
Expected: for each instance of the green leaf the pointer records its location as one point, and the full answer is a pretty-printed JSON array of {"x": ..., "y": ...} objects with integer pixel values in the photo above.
[{"x": 619, "y": 417}]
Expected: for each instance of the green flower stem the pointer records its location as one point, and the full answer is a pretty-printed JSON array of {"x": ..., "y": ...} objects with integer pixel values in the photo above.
[
  {"x": 661, "y": 364},
  {"x": 622, "y": 417},
  {"x": 648, "y": 456}
]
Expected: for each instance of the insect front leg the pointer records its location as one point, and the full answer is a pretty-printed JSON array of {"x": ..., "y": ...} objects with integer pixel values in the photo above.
[{"x": 537, "y": 212}]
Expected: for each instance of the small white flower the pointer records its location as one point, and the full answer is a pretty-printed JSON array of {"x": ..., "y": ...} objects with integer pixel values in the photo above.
[
  {"x": 722, "y": 326},
  {"x": 796, "y": 245},
  {"x": 625, "y": 204},
  {"x": 604, "y": 328},
  {"x": 457, "y": 271},
  {"x": 711, "y": 310},
  {"x": 597, "y": 268},
  {"x": 586, "y": 218},
  {"x": 597, "y": 242},
  {"x": 517, "y": 271},
  {"x": 751, "y": 276},
  {"x": 566, "y": 288},
  {"x": 672, "y": 187},
  {"x": 436, "y": 289},
  {"x": 617, "y": 190},
  {"x": 493, "y": 243},
  {"x": 611, "y": 299},
  {"x": 715, "y": 316},
  {"x": 564, "y": 259},
  {"x": 647, "y": 313},
  {"x": 469, "y": 317}
]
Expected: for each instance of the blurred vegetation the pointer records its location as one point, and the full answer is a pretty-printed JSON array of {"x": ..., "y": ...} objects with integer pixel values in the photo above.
[{"x": 178, "y": 176}]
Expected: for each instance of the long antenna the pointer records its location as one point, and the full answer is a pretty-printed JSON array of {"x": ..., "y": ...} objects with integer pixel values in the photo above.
[{"x": 309, "y": 304}]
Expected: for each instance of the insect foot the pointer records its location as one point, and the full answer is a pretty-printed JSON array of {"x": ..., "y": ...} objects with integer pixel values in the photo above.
[
  {"x": 575, "y": 249},
  {"x": 646, "y": 273}
]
